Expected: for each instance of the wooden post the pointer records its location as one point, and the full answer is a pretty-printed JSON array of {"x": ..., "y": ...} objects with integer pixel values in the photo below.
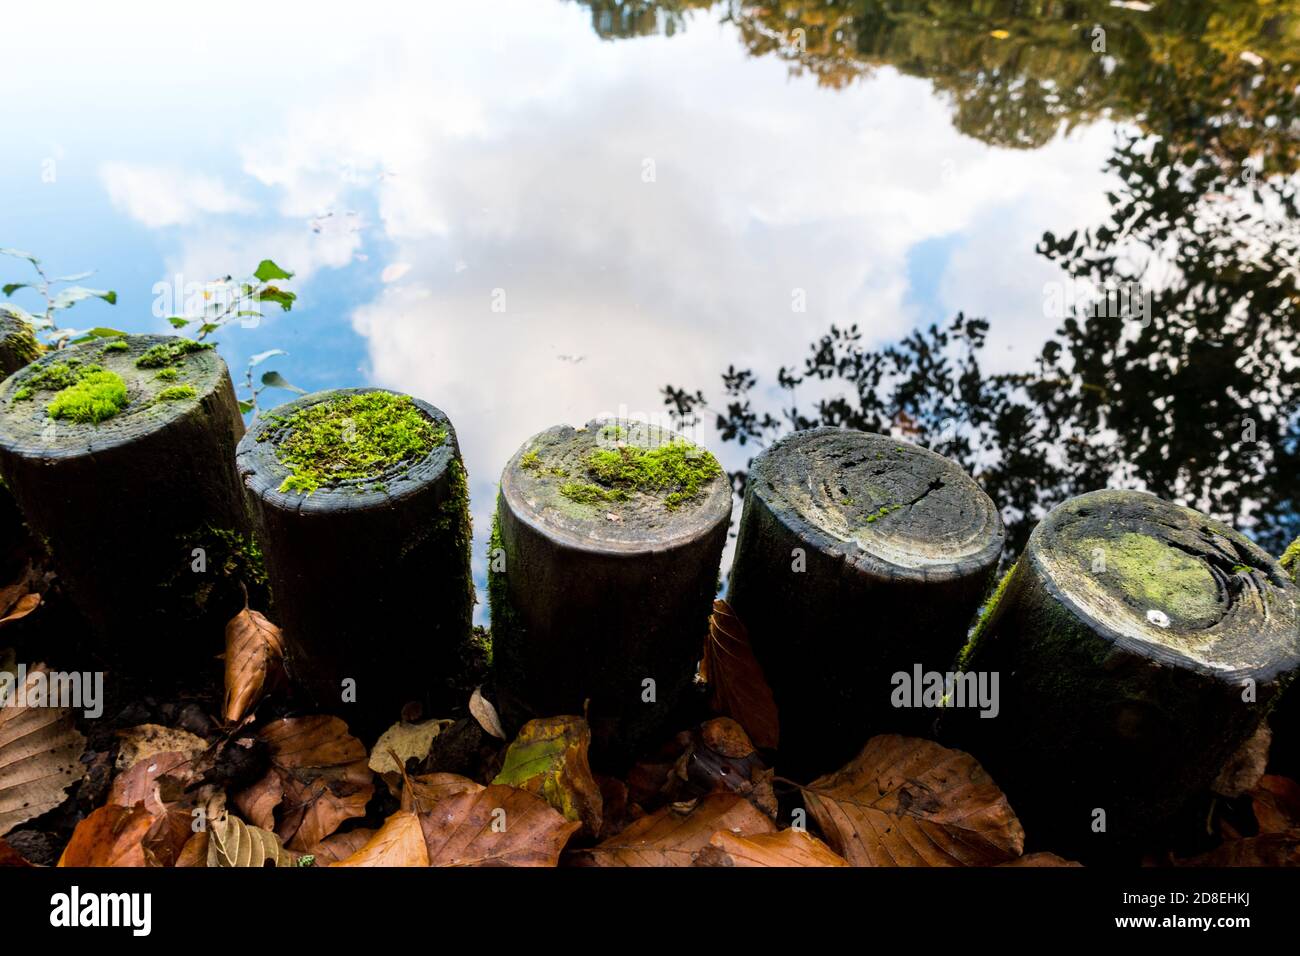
[
  {"x": 602, "y": 570},
  {"x": 120, "y": 454},
  {"x": 860, "y": 557},
  {"x": 18, "y": 344},
  {"x": 1284, "y": 719},
  {"x": 369, "y": 570},
  {"x": 1138, "y": 644}
]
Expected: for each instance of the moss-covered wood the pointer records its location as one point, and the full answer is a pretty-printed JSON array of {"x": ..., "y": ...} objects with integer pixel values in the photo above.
[
  {"x": 116, "y": 482},
  {"x": 860, "y": 556},
  {"x": 1284, "y": 719},
  {"x": 609, "y": 540},
  {"x": 18, "y": 344},
  {"x": 360, "y": 502},
  {"x": 1138, "y": 645}
]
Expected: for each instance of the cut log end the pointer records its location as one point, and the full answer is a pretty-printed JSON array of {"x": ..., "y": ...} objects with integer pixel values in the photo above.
[
  {"x": 106, "y": 393},
  {"x": 892, "y": 508},
  {"x": 264, "y": 473},
  {"x": 1164, "y": 582},
  {"x": 652, "y": 489}
]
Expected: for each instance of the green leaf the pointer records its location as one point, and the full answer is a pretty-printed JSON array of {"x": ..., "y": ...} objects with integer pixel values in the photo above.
[
  {"x": 261, "y": 357},
  {"x": 280, "y": 296},
  {"x": 276, "y": 380},
  {"x": 19, "y": 254},
  {"x": 76, "y": 277},
  {"x": 69, "y": 297},
  {"x": 268, "y": 270},
  {"x": 207, "y": 327},
  {"x": 13, "y": 287},
  {"x": 245, "y": 407},
  {"x": 177, "y": 322}
]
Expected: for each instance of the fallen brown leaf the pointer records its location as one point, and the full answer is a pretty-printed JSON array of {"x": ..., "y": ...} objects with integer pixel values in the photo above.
[
  {"x": 495, "y": 826},
  {"x": 1040, "y": 859},
  {"x": 11, "y": 857},
  {"x": 22, "y": 607},
  {"x": 1276, "y": 802},
  {"x": 481, "y": 709},
  {"x": 905, "y": 801},
  {"x": 668, "y": 837},
  {"x": 399, "y": 842},
  {"x": 721, "y": 757},
  {"x": 254, "y": 661},
  {"x": 740, "y": 689},
  {"x": 340, "y": 846},
  {"x": 549, "y": 758},
  {"x": 318, "y": 779},
  {"x": 40, "y": 753},
  {"x": 422, "y": 792},
  {"x": 145, "y": 740},
  {"x": 1268, "y": 849},
  {"x": 232, "y": 843},
  {"x": 407, "y": 741},
  {"x": 787, "y": 848},
  {"x": 110, "y": 836}
]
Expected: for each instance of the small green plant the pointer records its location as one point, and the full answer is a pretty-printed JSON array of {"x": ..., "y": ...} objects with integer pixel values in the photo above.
[
  {"x": 175, "y": 393},
  {"x": 59, "y": 295},
  {"x": 677, "y": 467}
]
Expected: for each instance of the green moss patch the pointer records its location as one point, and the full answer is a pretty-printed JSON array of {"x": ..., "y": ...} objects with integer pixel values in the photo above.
[
  {"x": 352, "y": 438},
  {"x": 175, "y": 393},
  {"x": 96, "y": 396},
  {"x": 1155, "y": 575},
  {"x": 678, "y": 470},
  {"x": 170, "y": 353}
]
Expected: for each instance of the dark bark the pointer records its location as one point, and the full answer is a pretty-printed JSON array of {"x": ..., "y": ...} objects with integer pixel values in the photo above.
[
  {"x": 121, "y": 505},
  {"x": 1138, "y": 645},
  {"x": 370, "y": 580},
  {"x": 859, "y": 557},
  {"x": 594, "y": 600}
]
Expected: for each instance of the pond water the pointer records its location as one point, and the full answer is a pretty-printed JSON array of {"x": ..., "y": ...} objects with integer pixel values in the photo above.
[{"x": 540, "y": 211}]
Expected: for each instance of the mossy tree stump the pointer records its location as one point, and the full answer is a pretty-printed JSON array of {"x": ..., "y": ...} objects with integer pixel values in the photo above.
[
  {"x": 603, "y": 568},
  {"x": 860, "y": 556},
  {"x": 1139, "y": 644},
  {"x": 18, "y": 345},
  {"x": 1284, "y": 719},
  {"x": 120, "y": 454},
  {"x": 359, "y": 498}
]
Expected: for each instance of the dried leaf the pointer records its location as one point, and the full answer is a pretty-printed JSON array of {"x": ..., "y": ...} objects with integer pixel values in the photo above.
[
  {"x": 232, "y": 843},
  {"x": 340, "y": 846},
  {"x": 11, "y": 857},
  {"x": 668, "y": 837},
  {"x": 549, "y": 758},
  {"x": 254, "y": 661},
  {"x": 399, "y": 842},
  {"x": 110, "y": 836},
  {"x": 905, "y": 801},
  {"x": 787, "y": 848},
  {"x": 22, "y": 607},
  {"x": 482, "y": 710},
  {"x": 407, "y": 741},
  {"x": 495, "y": 826},
  {"x": 148, "y": 740},
  {"x": 1276, "y": 801},
  {"x": 740, "y": 690},
  {"x": 1244, "y": 769},
  {"x": 722, "y": 758},
  {"x": 1267, "y": 849},
  {"x": 321, "y": 776},
  {"x": 422, "y": 792},
  {"x": 1040, "y": 859},
  {"x": 172, "y": 818},
  {"x": 40, "y": 754}
]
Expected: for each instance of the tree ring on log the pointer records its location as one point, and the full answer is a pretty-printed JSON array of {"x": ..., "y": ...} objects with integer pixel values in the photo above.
[
  {"x": 18, "y": 344},
  {"x": 892, "y": 509},
  {"x": 1165, "y": 582}
]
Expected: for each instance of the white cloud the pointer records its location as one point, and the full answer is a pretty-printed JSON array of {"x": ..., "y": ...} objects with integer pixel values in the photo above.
[{"x": 158, "y": 196}]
